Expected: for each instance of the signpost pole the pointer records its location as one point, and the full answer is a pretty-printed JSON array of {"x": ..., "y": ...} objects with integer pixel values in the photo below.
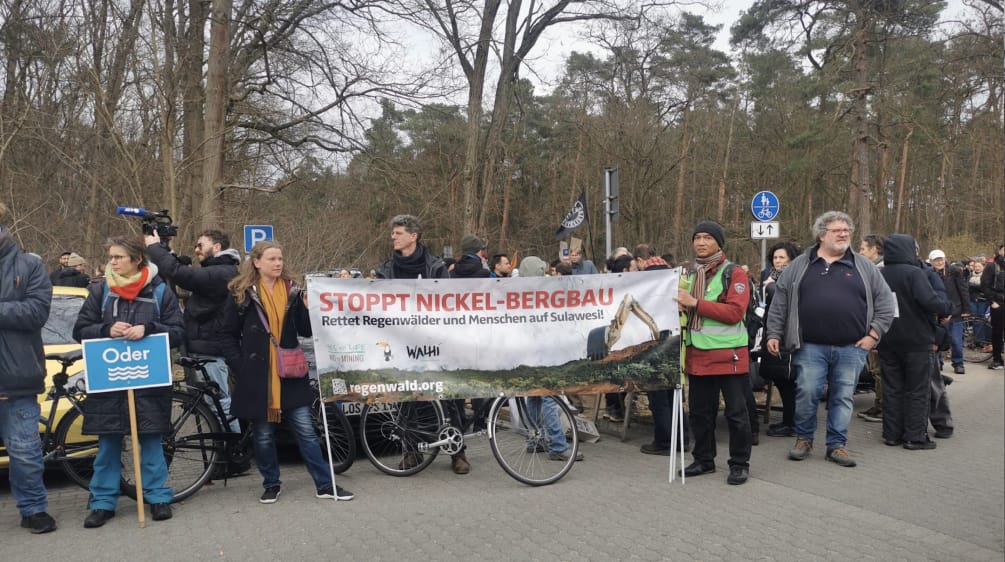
[{"x": 137, "y": 473}]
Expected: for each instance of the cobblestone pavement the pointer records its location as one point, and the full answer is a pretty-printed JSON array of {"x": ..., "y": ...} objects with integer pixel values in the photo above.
[{"x": 945, "y": 504}]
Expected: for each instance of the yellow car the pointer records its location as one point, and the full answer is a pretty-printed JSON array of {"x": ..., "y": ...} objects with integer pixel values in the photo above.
[{"x": 57, "y": 336}]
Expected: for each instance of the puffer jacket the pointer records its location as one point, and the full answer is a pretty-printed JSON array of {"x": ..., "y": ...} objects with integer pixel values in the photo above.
[
  {"x": 69, "y": 277},
  {"x": 25, "y": 298},
  {"x": 206, "y": 331},
  {"x": 108, "y": 412}
]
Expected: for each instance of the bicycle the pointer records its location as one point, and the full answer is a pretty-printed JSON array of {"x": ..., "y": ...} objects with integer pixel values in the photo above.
[
  {"x": 976, "y": 338},
  {"x": 201, "y": 444},
  {"x": 402, "y": 439}
]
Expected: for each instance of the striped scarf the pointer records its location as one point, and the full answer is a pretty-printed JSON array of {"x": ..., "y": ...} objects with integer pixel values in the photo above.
[{"x": 703, "y": 267}]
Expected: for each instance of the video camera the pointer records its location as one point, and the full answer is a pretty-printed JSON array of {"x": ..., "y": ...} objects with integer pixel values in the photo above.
[{"x": 153, "y": 220}]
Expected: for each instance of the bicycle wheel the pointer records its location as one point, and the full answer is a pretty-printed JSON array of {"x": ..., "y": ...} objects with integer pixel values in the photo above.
[
  {"x": 341, "y": 440},
  {"x": 75, "y": 451},
  {"x": 391, "y": 435},
  {"x": 523, "y": 433},
  {"x": 191, "y": 450},
  {"x": 976, "y": 340}
]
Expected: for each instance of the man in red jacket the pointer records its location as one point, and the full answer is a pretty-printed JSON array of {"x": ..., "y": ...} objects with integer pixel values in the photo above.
[{"x": 716, "y": 356}]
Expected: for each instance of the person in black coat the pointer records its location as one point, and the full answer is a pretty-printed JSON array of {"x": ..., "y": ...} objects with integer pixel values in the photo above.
[
  {"x": 131, "y": 310},
  {"x": 74, "y": 274},
  {"x": 778, "y": 368},
  {"x": 905, "y": 351},
  {"x": 993, "y": 287},
  {"x": 272, "y": 311}
]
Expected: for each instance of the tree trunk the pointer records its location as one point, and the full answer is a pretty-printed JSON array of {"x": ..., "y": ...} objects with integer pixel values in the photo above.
[
  {"x": 902, "y": 179},
  {"x": 861, "y": 193},
  {"x": 190, "y": 57},
  {"x": 685, "y": 147},
  {"x": 216, "y": 112},
  {"x": 725, "y": 158}
]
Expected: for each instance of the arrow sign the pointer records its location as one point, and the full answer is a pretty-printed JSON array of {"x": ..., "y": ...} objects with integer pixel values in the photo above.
[{"x": 764, "y": 230}]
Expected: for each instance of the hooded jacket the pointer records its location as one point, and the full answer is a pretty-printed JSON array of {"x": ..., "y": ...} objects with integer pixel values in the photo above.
[
  {"x": 25, "y": 298},
  {"x": 470, "y": 265},
  {"x": 69, "y": 277},
  {"x": 917, "y": 302},
  {"x": 206, "y": 317}
]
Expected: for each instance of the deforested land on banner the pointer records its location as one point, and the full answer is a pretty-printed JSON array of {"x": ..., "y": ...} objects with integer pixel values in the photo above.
[{"x": 399, "y": 340}]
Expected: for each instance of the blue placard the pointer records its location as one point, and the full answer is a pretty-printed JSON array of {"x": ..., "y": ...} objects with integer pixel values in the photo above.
[
  {"x": 255, "y": 233},
  {"x": 764, "y": 206},
  {"x": 119, "y": 364}
]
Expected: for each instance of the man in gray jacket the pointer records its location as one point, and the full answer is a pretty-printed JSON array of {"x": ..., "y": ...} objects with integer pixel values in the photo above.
[
  {"x": 831, "y": 307},
  {"x": 25, "y": 298}
]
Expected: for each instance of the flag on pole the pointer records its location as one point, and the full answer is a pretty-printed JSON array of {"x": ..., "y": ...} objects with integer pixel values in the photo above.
[{"x": 575, "y": 219}]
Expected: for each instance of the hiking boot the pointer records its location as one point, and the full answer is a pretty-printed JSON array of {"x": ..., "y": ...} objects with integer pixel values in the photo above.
[
  {"x": 160, "y": 511},
  {"x": 801, "y": 449},
  {"x": 39, "y": 523},
  {"x": 780, "y": 430},
  {"x": 339, "y": 493},
  {"x": 270, "y": 495},
  {"x": 565, "y": 456},
  {"x": 697, "y": 468},
  {"x": 97, "y": 518},
  {"x": 410, "y": 461},
  {"x": 459, "y": 463},
  {"x": 925, "y": 445},
  {"x": 959, "y": 370},
  {"x": 738, "y": 475},
  {"x": 839, "y": 456},
  {"x": 873, "y": 414}
]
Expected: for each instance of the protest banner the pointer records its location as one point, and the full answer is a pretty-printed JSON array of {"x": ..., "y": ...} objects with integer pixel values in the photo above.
[{"x": 430, "y": 339}]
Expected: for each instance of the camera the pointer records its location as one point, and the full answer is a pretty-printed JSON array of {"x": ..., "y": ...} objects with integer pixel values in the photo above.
[{"x": 159, "y": 221}]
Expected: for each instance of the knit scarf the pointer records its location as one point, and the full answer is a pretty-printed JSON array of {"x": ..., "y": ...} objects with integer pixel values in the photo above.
[
  {"x": 703, "y": 267},
  {"x": 128, "y": 287},
  {"x": 412, "y": 266},
  {"x": 274, "y": 303}
]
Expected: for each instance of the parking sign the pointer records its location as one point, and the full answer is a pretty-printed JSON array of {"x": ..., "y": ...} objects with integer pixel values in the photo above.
[{"x": 255, "y": 233}]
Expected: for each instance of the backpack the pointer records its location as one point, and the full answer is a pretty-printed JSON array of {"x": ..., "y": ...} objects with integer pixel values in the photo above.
[
  {"x": 753, "y": 318},
  {"x": 106, "y": 295}
]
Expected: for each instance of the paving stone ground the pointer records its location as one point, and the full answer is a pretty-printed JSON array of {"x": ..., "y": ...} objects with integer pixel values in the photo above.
[{"x": 946, "y": 504}]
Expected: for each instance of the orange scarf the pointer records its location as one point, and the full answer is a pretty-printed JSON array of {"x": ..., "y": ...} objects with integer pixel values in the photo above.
[
  {"x": 274, "y": 303},
  {"x": 127, "y": 287}
]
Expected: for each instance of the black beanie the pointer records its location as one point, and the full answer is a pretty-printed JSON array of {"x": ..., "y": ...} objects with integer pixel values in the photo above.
[{"x": 712, "y": 228}]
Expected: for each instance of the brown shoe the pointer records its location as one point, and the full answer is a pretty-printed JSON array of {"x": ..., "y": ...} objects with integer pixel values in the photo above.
[
  {"x": 459, "y": 463},
  {"x": 839, "y": 456},
  {"x": 801, "y": 449}
]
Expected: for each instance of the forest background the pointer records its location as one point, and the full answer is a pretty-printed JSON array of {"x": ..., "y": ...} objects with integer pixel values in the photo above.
[{"x": 325, "y": 118}]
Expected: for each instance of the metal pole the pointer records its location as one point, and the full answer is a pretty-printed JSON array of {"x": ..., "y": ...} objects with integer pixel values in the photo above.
[
  {"x": 607, "y": 212},
  {"x": 764, "y": 255}
]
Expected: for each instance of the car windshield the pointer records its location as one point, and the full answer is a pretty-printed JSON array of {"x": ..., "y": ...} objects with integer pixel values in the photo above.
[{"x": 58, "y": 328}]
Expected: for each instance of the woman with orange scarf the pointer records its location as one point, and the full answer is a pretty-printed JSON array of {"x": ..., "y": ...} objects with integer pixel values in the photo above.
[{"x": 264, "y": 291}]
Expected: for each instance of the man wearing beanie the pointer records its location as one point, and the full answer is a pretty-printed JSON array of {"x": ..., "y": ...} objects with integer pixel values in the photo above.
[
  {"x": 74, "y": 274},
  {"x": 831, "y": 307},
  {"x": 472, "y": 260},
  {"x": 25, "y": 298},
  {"x": 716, "y": 357}
]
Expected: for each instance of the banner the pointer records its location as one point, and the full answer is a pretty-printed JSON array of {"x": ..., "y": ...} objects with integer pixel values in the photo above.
[
  {"x": 393, "y": 340},
  {"x": 574, "y": 219}
]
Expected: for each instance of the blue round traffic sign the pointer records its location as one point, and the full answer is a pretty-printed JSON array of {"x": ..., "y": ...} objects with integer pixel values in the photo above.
[{"x": 764, "y": 206}]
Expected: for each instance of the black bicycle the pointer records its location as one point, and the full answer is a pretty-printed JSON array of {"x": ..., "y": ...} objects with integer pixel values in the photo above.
[
  {"x": 977, "y": 338},
  {"x": 202, "y": 445}
]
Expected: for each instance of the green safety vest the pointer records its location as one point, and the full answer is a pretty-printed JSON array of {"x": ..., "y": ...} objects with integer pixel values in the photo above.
[{"x": 715, "y": 334}]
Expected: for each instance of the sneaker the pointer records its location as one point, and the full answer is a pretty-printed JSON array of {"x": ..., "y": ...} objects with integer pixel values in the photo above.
[
  {"x": 839, "y": 456},
  {"x": 614, "y": 417},
  {"x": 339, "y": 493},
  {"x": 97, "y": 518},
  {"x": 873, "y": 414},
  {"x": 564, "y": 456},
  {"x": 410, "y": 461},
  {"x": 738, "y": 475},
  {"x": 459, "y": 463},
  {"x": 943, "y": 433},
  {"x": 995, "y": 365},
  {"x": 536, "y": 448},
  {"x": 947, "y": 380},
  {"x": 959, "y": 370},
  {"x": 781, "y": 430},
  {"x": 925, "y": 445},
  {"x": 160, "y": 511},
  {"x": 801, "y": 449},
  {"x": 39, "y": 523},
  {"x": 893, "y": 442},
  {"x": 270, "y": 495}
]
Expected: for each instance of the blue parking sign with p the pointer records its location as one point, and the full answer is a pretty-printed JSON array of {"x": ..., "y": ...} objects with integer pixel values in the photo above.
[
  {"x": 118, "y": 364},
  {"x": 255, "y": 233}
]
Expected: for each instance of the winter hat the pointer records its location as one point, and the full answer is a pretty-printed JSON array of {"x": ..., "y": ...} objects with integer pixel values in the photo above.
[
  {"x": 532, "y": 266},
  {"x": 936, "y": 254},
  {"x": 471, "y": 244},
  {"x": 713, "y": 229},
  {"x": 74, "y": 260}
]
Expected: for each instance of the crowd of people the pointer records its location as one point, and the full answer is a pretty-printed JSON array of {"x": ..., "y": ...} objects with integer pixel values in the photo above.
[{"x": 886, "y": 311}]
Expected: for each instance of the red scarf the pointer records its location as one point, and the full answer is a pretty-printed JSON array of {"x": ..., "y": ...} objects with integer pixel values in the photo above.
[{"x": 130, "y": 291}]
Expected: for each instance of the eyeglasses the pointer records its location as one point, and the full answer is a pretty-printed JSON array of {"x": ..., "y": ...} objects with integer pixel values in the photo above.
[
  {"x": 839, "y": 230},
  {"x": 117, "y": 258}
]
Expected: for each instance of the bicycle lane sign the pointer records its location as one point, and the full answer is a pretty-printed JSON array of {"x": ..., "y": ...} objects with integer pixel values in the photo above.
[
  {"x": 764, "y": 206},
  {"x": 112, "y": 364}
]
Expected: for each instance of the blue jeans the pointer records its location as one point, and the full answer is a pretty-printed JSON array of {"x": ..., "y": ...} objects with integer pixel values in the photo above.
[
  {"x": 839, "y": 367},
  {"x": 300, "y": 422},
  {"x": 549, "y": 418},
  {"x": 218, "y": 373},
  {"x": 955, "y": 328},
  {"x": 108, "y": 471},
  {"x": 19, "y": 429}
]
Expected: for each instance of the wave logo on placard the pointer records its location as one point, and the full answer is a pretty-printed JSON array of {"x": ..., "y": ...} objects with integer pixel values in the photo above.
[{"x": 128, "y": 373}]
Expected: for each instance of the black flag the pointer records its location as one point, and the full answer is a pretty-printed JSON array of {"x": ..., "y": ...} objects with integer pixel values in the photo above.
[{"x": 576, "y": 218}]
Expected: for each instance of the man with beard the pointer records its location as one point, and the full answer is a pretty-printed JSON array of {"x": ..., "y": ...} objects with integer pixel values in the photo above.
[{"x": 831, "y": 307}]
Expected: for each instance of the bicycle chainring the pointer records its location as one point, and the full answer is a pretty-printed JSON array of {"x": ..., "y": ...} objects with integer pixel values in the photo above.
[{"x": 454, "y": 438}]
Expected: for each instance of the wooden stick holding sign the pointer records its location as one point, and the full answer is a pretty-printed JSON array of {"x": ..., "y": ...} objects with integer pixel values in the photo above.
[{"x": 137, "y": 473}]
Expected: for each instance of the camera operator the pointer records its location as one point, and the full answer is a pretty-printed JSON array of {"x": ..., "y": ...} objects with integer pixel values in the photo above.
[{"x": 205, "y": 332}]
